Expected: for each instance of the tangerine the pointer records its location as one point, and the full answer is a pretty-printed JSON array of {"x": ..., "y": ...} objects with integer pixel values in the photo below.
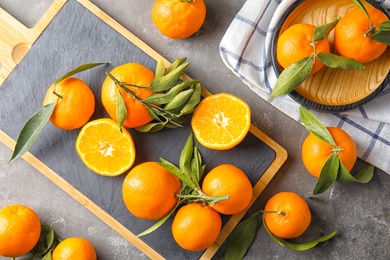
[
  {"x": 104, "y": 149},
  {"x": 195, "y": 226},
  {"x": 351, "y": 35},
  {"x": 221, "y": 121},
  {"x": 74, "y": 248},
  {"x": 287, "y": 215},
  {"x": 227, "y": 179},
  {"x": 20, "y": 229},
  {"x": 130, "y": 73},
  {"x": 296, "y": 43},
  {"x": 75, "y": 103},
  {"x": 179, "y": 19},
  {"x": 149, "y": 191},
  {"x": 316, "y": 152}
]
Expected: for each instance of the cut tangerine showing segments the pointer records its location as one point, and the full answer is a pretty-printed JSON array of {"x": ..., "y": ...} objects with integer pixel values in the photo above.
[
  {"x": 104, "y": 149},
  {"x": 221, "y": 121}
]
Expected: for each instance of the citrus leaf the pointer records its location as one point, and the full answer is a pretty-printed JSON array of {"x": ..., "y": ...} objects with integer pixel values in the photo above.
[
  {"x": 151, "y": 127},
  {"x": 165, "y": 98},
  {"x": 31, "y": 129},
  {"x": 193, "y": 101},
  {"x": 382, "y": 34},
  {"x": 328, "y": 174},
  {"x": 335, "y": 61},
  {"x": 186, "y": 156},
  {"x": 48, "y": 256},
  {"x": 292, "y": 76},
  {"x": 299, "y": 247},
  {"x": 363, "y": 176},
  {"x": 160, "y": 68},
  {"x": 168, "y": 80},
  {"x": 179, "y": 99},
  {"x": 121, "y": 110},
  {"x": 177, "y": 172},
  {"x": 153, "y": 113},
  {"x": 359, "y": 4},
  {"x": 241, "y": 238},
  {"x": 314, "y": 126},
  {"x": 77, "y": 70},
  {"x": 175, "y": 64},
  {"x": 159, "y": 223},
  {"x": 322, "y": 32}
]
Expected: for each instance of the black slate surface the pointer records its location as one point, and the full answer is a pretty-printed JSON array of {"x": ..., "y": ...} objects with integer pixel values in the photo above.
[{"x": 74, "y": 37}]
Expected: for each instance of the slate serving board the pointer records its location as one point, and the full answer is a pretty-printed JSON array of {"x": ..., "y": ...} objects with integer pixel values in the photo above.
[{"x": 77, "y": 36}]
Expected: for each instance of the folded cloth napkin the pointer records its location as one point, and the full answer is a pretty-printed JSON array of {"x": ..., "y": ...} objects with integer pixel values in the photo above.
[{"x": 246, "y": 51}]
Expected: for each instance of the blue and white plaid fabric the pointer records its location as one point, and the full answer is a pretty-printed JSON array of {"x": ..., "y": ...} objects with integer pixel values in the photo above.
[{"x": 245, "y": 49}]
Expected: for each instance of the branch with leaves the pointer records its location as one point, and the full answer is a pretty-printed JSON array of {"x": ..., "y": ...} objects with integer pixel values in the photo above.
[{"x": 172, "y": 100}]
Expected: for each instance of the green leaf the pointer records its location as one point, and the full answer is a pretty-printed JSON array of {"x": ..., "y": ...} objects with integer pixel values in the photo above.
[
  {"x": 382, "y": 34},
  {"x": 359, "y": 4},
  {"x": 322, "y": 32},
  {"x": 363, "y": 176},
  {"x": 177, "y": 172},
  {"x": 168, "y": 80},
  {"x": 335, "y": 61},
  {"x": 299, "y": 247},
  {"x": 151, "y": 127},
  {"x": 292, "y": 76},
  {"x": 186, "y": 156},
  {"x": 48, "y": 256},
  {"x": 160, "y": 68},
  {"x": 314, "y": 126},
  {"x": 31, "y": 129},
  {"x": 159, "y": 223},
  {"x": 328, "y": 174},
  {"x": 241, "y": 238},
  {"x": 179, "y": 99},
  {"x": 175, "y": 64},
  {"x": 193, "y": 101},
  {"x": 121, "y": 110},
  {"x": 165, "y": 98},
  {"x": 77, "y": 70}
]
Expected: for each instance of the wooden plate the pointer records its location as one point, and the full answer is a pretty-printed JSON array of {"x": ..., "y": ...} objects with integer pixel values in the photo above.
[{"x": 333, "y": 89}]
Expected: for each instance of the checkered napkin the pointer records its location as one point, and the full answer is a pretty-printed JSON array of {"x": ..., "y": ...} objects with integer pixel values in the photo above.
[{"x": 245, "y": 49}]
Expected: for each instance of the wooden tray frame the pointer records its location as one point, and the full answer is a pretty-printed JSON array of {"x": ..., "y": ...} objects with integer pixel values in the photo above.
[{"x": 15, "y": 43}]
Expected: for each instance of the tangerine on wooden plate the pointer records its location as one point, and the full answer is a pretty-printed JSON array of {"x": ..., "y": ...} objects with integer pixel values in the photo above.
[
  {"x": 195, "y": 226},
  {"x": 287, "y": 215},
  {"x": 104, "y": 149},
  {"x": 149, "y": 191},
  {"x": 75, "y": 103},
  {"x": 130, "y": 73},
  {"x": 20, "y": 229},
  {"x": 221, "y": 121},
  {"x": 74, "y": 248},
  {"x": 227, "y": 179},
  {"x": 351, "y": 34},
  {"x": 316, "y": 152}
]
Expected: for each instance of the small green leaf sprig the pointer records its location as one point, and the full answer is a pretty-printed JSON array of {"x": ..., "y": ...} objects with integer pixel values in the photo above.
[
  {"x": 34, "y": 125},
  {"x": 172, "y": 100},
  {"x": 242, "y": 236},
  {"x": 379, "y": 33},
  {"x": 333, "y": 169},
  {"x": 190, "y": 171},
  {"x": 295, "y": 74}
]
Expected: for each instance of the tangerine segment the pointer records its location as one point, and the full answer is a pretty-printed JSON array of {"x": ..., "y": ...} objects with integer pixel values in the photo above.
[
  {"x": 104, "y": 149},
  {"x": 221, "y": 121},
  {"x": 287, "y": 215}
]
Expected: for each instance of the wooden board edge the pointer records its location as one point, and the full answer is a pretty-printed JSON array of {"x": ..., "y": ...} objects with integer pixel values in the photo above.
[{"x": 82, "y": 199}]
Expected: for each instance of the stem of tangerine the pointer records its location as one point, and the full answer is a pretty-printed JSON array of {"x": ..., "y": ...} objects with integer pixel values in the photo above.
[
  {"x": 201, "y": 197},
  {"x": 337, "y": 149}
]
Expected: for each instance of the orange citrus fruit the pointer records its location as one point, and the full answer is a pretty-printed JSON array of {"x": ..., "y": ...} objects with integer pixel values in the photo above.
[
  {"x": 20, "y": 229},
  {"x": 74, "y": 248},
  {"x": 195, "y": 227},
  {"x": 104, "y": 149},
  {"x": 295, "y": 43},
  {"x": 149, "y": 190},
  {"x": 316, "y": 152},
  {"x": 178, "y": 19},
  {"x": 221, "y": 121},
  {"x": 287, "y": 215},
  {"x": 227, "y": 179},
  {"x": 130, "y": 73},
  {"x": 350, "y": 39},
  {"x": 75, "y": 103}
]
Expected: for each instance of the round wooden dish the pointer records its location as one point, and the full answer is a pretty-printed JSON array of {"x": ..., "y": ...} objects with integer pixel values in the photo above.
[{"x": 330, "y": 89}]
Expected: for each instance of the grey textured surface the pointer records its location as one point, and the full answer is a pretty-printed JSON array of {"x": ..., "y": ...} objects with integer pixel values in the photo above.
[{"x": 360, "y": 212}]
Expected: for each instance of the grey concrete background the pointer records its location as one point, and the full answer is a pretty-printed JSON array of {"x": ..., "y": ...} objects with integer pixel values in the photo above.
[{"x": 360, "y": 212}]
